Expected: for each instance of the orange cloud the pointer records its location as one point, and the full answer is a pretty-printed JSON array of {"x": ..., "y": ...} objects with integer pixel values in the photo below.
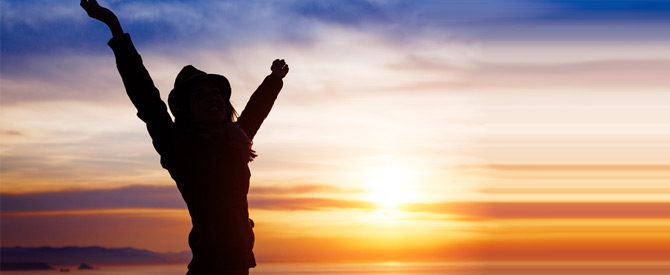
[
  {"x": 298, "y": 189},
  {"x": 547, "y": 210},
  {"x": 281, "y": 199}
]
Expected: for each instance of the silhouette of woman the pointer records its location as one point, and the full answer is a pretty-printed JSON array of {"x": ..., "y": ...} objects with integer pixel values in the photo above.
[{"x": 206, "y": 149}]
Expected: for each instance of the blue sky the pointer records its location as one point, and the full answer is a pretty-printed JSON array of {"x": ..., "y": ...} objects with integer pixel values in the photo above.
[
  {"x": 52, "y": 52},
  {"x": 33, "y": 32},
  {"x": 46, "y": 26}
]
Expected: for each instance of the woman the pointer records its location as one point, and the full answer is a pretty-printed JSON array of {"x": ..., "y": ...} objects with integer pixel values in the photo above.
[{"x": 206, "y": 149}]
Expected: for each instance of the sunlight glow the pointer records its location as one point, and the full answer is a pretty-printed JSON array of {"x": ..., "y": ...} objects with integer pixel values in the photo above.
[{"x": 389, "y": 186}]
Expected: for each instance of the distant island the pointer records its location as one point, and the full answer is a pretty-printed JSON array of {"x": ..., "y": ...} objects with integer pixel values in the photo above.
[
  {"x": 84, "y": 266},
  {"x": 9, "y": 266},
  {"x": 90, "y": 255}
]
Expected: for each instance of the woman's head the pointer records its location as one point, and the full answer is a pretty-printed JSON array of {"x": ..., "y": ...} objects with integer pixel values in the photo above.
[{"x": 201, "y": 99}]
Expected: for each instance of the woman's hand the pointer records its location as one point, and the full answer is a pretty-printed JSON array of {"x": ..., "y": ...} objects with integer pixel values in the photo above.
[
  {"x": 279, "y": 68},
  {"x": 94, "y": 10}
]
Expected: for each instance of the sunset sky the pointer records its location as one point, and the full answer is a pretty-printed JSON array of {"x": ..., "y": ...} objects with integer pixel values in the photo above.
[{"x": 465, "y": 130}]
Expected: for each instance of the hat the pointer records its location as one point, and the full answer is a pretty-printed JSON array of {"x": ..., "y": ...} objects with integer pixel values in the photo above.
[{"x": 178, "y": 98}]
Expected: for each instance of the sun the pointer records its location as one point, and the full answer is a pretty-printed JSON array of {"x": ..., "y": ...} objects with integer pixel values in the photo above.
[{"x": 388, "y": 186}]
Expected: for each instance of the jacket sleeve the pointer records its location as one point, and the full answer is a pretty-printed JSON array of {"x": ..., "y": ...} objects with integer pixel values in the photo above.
[
  {"x": 259, "y": 105},
  {"x": 145, "y": 96}
]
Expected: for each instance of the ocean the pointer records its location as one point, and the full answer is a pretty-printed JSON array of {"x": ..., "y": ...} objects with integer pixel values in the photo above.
[{"x": 505, "y": 268}]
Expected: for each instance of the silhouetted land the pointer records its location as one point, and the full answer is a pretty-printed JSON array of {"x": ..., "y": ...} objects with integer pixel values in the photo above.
[
  {"x": 7, "y": 266},
  {"x": 84, "y": 266},
  {"x": 94, "y": 255}
]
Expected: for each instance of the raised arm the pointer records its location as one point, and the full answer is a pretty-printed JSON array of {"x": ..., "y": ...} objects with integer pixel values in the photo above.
[
  {"x": 137, "y": 82},
  {"x": 263, "y": 99},
  {"x": 94, "y": 10}
]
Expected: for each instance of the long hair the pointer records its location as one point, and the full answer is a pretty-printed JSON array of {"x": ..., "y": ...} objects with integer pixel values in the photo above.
[{"x": 179, "y": 101}]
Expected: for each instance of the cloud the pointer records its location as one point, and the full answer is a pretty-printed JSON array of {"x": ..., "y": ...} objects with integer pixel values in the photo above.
[
  {"x": 622, "y": 9},
  {"x": 316, "y": 204},
  {"x": 39, "y": 63},
  {"x": 160, "y": 197},
  {"x": 62, "y": 77},
  {"x": 329, "y": 81},
  {"x": 567, "y": 171},
  {"x": 576, "y": 191},
  {"x": 298, "y": 189},
  {"x": 356, "y": 97},
  {"x": 168, "y": 197},
  {"x": 33, "y": 13},
  {"x": 28, "y": 26},
  {"x": 12, "y": 133},
  {"x": 571, "y": 167},
  {"x": 63, "y": 144},
  {"x": 547, "y": 210},
  {"x": 160, "y": 230},
  {"x": 599, "y": 73},
  {"x": 345, "y": 12}
]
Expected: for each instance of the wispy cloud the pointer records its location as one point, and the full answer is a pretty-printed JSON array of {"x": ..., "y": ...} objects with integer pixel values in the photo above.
[
  {"x": 299, "y": 189},
  {"x": 126, "y": 197},
  {"x": 548, "y": 210},
  {"x": 27, "y": 26},
  {"x": 167, "y": 197}
]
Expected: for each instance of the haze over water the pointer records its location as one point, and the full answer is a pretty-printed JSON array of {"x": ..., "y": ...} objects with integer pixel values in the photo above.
[{"x": 513, "y": 268}]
